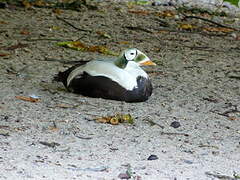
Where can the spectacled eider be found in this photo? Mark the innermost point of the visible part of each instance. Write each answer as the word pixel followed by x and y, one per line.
pixel 119 79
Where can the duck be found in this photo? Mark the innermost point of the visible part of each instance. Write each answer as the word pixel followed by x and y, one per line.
pixel 121 79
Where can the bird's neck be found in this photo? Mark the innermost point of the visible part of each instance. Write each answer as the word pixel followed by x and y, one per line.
pixel 121 62
pixel 135 70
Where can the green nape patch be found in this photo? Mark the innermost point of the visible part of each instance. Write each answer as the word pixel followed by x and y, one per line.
pixel 234 2
pixel 140 58
pixel 80 46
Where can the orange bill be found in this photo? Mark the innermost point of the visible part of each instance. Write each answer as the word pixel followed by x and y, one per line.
pixel 148 63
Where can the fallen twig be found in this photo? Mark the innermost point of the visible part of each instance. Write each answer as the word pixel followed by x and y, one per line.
pixel 64 61
pixel 152 123
pixel 68 23
pixel 136 28
pixel 82 137
pixel 29 99
pixel 16 46
pixel 192 32
pixel 49 144
pixel 181 134
pixel 226 113
pixel 210 99
pixel 162 23
pixel 46 39
pixel 95 169
pixel 208 146
pixel 208 20
pixel 219 176
pixel 206 48
pixel 204 19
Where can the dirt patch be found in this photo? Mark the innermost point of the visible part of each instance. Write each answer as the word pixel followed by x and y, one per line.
pixel 196 86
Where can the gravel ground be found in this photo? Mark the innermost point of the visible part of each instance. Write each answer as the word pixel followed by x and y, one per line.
pixel 188 129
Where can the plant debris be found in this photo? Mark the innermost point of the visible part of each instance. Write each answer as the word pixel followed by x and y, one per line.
pixel 80 46
pixel 219 176
pixel 4 133
pixel 49 144
pixel 13 47
pixel 30 99
pixel 152 123
pixel 116 119
pixel 68 23
pixel 187 27
pixel 4 54
pixel 93 169
pixel 218 29
pixel 103 34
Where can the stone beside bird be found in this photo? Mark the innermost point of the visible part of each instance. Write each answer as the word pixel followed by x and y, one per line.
pixel 119 79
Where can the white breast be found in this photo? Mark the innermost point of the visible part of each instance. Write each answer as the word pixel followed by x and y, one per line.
pixel 127 77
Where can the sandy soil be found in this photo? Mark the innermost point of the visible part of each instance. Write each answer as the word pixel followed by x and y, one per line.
pixel 196 84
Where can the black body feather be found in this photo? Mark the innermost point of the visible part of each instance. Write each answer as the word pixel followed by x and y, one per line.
pixel 103 87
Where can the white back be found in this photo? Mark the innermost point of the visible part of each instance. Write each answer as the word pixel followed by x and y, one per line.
pixel 127 77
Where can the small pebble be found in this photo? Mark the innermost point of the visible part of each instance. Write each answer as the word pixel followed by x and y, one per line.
pixel 175 124
pixel 187 161
pixel 152 157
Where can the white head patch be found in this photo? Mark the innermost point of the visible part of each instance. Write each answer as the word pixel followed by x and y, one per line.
pixel 130 54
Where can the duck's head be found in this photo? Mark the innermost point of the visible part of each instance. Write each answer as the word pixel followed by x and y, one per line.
pixel 133 55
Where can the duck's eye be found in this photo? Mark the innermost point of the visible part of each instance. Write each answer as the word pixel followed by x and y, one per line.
pixel 131 54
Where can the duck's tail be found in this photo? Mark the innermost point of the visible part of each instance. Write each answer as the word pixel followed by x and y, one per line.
pixel 61 77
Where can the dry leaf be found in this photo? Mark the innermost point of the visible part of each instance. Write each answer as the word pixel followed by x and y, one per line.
pixel 26 4
pixel 124 42
pixel 30 99
pixel 103 34
pixel 104 119
pixel 116 119
pixel 3 22
pixel 188 27
pixel 3 54
pixel 161 32
pixel 218 29
pixel 52 128
pixel 77 45
pixel 166 13
pixel 40 3
pixel 232 118
pixel 19 45
pixel 57 11
pixel 23 32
